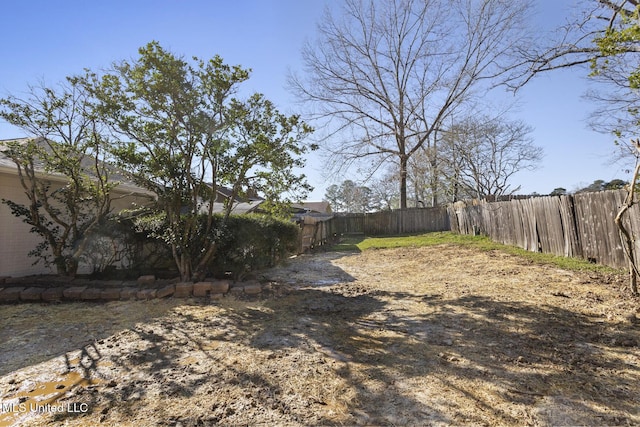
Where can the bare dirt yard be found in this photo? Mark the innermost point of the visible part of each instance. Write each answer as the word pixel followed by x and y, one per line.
pixel 439 335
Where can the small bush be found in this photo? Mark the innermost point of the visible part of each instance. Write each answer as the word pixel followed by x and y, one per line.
pixel 122 250
pixel 248 243
pixel 245 244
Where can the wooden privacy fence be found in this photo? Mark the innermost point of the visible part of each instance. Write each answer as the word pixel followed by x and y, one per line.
pixel 580 225
pixel 348 223
pixel 387 223
pixel 317 232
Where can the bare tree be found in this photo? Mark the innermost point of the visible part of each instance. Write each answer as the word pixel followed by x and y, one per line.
pixel 485 152
pixel 388 73
pixel 385 191
pixel 419 174
pixel 601 38
pixel 424 176
pixel 605 37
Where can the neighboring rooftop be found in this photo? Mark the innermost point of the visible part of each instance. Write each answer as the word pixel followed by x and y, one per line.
pixel 322 207
pixel 115 175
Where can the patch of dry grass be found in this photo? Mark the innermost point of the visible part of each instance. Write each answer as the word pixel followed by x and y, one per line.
pixel 433 335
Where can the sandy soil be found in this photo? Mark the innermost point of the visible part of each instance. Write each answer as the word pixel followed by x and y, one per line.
pixel 428 336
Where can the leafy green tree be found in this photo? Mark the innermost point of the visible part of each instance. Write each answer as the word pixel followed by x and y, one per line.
pixel 68 204
pixel 263 148
pixel 183 133
pixel 559 191
pixel 616 63
pixel 615 184
pixel 597 185
pixel 332 195
pixel 602 185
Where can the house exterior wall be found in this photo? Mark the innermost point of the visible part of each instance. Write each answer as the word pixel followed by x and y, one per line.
pixel 16 241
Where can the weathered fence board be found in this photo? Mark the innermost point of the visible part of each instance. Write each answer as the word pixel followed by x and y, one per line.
pixel 595 213
pixel 572 247
pixel 549 223
pixel 530 225
pixel 316 232
pixel 393 222
pixel 348 223
pixel 580 225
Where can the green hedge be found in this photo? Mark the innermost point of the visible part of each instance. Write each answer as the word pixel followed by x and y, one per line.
pixel 247 243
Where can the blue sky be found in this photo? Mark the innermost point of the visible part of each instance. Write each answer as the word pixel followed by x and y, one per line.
pixel 48 40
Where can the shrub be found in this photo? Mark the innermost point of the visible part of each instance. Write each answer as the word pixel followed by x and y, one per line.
pixel 245 243
pixel 122 249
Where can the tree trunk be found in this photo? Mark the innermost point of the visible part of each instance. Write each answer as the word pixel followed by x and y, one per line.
pixel 183 262
pixel 433 160
pixel 200 271
pixel 61 266
pixel 434 192
pixel 629 249
pixel 65 266
pixel 403 182
pixel 456 189
pixel 625 237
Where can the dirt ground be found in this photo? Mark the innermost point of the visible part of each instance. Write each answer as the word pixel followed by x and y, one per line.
pixel 413 336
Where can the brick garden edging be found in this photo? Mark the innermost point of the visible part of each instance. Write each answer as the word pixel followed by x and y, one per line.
pixel 56 289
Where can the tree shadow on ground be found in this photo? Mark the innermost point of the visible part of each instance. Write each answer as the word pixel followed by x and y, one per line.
pixel 556 365
pixel 333 324
pixel 34 333
pixel 559 364
pixel 571 368
pixel 565 367
pixel 70 338
pixel 344 354
pixel 310 270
